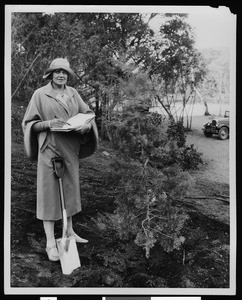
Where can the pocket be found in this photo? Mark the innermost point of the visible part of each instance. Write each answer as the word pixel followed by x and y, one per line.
pixel 52 151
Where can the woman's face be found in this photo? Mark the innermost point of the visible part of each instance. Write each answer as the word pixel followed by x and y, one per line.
pixel 60 77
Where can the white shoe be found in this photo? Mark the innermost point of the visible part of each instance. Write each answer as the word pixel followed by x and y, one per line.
pixel 78 238
pixel 52 253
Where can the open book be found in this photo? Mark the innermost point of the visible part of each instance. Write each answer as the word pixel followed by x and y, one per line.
pixel 76 122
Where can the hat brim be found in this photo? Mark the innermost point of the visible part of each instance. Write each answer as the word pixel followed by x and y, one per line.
pixel 50 70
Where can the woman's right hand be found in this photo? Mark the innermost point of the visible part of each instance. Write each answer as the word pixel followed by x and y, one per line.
pixel 57 123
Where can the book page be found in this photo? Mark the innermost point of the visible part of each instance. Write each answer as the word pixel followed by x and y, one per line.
pixel 76 122
pixel 80 119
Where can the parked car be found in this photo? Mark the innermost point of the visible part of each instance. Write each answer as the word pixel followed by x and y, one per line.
pixel 219 126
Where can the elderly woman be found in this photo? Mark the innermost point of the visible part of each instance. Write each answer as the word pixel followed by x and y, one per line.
pixel 51 106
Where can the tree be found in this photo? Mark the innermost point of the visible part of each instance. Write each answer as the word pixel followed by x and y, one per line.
pixel 113 38
pixel 40 38
pixel 176 67
pixel 94 43
pixel 215 86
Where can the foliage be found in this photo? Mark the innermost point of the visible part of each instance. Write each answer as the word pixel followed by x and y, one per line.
pixel 176 131
pixel 136 136
pixel 92 42
pixel 190 158
pixel 151 138
pixel 37 39
pixel 215 87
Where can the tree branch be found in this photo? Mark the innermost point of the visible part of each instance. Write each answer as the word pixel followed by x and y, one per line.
pixel 25 75
pixel 169 114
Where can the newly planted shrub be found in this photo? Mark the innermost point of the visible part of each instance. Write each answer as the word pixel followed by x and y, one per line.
pixel 149 170
pixel 145 209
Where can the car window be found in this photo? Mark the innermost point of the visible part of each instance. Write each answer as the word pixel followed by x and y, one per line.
pixel 226 114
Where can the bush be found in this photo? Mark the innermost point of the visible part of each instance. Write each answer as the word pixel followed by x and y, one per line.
pixel 136 134
pixel 190 158
pixel 150 136
pixel 176 131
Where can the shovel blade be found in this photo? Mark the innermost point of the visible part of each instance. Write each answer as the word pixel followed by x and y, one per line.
pixel 68 253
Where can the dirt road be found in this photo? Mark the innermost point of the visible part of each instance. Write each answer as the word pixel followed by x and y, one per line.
pixel 215 152
pixel 211 194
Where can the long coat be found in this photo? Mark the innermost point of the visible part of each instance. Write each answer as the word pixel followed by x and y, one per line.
pixel 43 146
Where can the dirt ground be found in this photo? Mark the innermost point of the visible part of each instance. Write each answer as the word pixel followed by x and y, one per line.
pixel 203 261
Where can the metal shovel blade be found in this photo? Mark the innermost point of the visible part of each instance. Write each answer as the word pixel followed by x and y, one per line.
pixel 68 253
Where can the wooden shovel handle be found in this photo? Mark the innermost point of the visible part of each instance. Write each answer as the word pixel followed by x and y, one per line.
pixel 58 164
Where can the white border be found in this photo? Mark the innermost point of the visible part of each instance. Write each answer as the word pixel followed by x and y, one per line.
pixel 232 161
pixel 7 149
pixel 111 291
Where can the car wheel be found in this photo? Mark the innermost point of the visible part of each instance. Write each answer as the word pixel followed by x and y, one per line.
pixel 207 134
pixel 223 133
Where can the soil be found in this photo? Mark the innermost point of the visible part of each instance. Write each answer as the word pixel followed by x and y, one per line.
pixel 203 261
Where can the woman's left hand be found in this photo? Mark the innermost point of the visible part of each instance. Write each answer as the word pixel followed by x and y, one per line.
pixel 83 129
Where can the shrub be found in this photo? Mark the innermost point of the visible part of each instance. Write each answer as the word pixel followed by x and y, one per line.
pixel 150 136
pixel 176 131
pixel 136 134
pixel 190 158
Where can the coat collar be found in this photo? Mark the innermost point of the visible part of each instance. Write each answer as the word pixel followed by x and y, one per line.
pixel 50 91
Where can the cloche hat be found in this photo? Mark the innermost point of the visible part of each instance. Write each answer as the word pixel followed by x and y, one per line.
pixel 59 63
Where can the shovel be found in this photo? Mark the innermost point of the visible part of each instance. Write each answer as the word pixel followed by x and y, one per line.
pixel 67 248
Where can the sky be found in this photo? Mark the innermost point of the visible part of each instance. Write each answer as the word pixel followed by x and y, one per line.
pixel 213 27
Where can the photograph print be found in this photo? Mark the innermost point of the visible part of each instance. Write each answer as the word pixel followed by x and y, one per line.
pixel 120 163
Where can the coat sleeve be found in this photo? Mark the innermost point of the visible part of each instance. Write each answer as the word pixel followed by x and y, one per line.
pixel 32 116
pixel 89 141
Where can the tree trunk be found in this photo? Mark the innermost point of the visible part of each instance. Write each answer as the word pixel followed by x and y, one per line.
pixel 204 102
pixel 167 111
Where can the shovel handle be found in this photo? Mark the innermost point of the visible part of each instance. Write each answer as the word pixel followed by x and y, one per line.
pixel 59 170
pixel 64 215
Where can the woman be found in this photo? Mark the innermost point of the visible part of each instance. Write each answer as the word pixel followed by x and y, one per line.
pixel 51 106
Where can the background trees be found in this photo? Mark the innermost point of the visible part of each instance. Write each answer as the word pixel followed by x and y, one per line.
pixel 104 49
pixel 215 87
pixel 177 67
pixel 93 43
